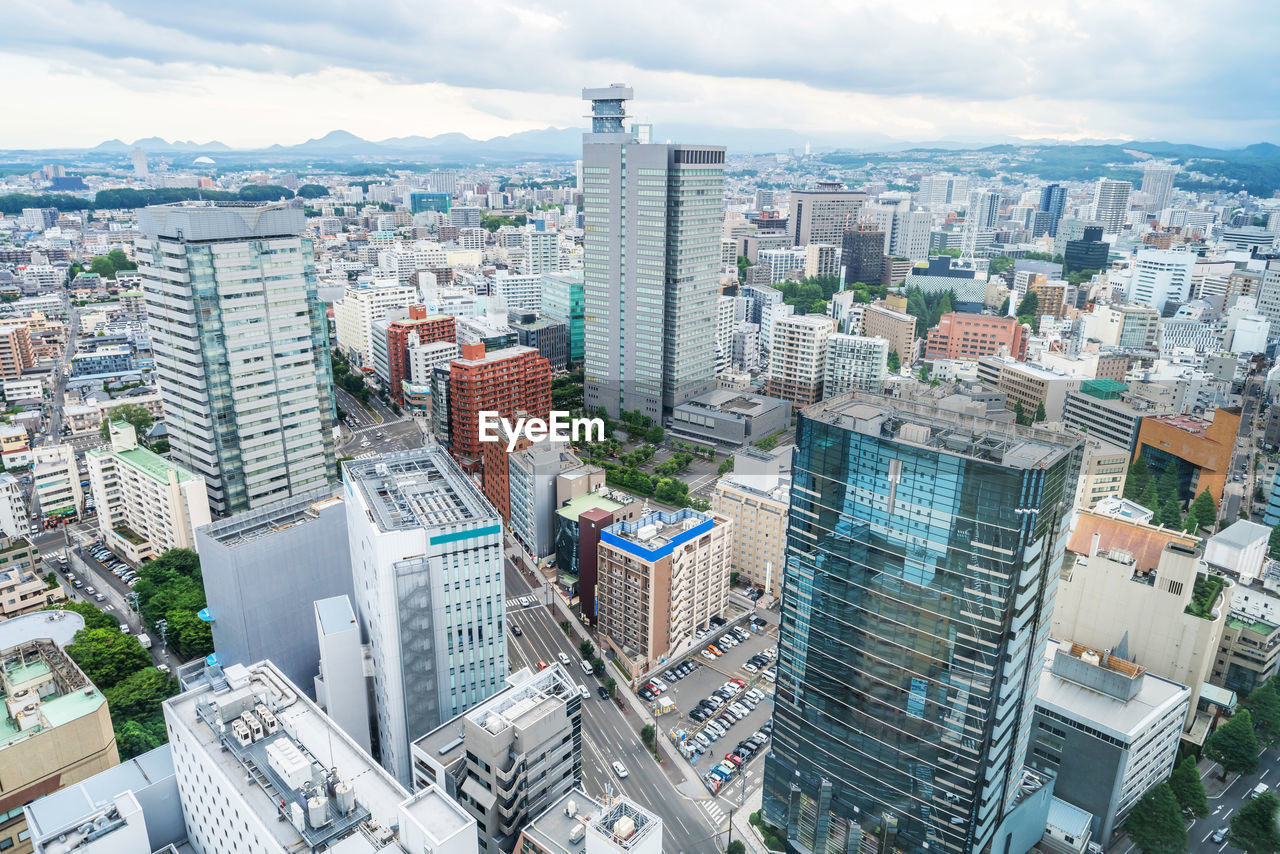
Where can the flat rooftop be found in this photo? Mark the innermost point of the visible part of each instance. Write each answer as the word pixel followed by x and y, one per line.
pixel 153 466
pixel 271 518
pixel 314 748
pixel 522 702
pixel 1187 423
pixel 956 433
pixel 646 823
pixel 70 807
pixel 1103 711
pixel 575 507
pixel 422 488
pixel 553 826
pixel 655 535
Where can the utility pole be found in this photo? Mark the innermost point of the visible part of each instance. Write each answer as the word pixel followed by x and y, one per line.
pixel 162 626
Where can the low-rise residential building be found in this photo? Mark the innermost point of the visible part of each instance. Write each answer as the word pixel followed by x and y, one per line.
pixel 509 757
pixel 15 445
pixel 660 578
pixel 56 480
pixel 13 506
pixel 1106 729
pixel 57 729
pixel 146 505
pixel 22 585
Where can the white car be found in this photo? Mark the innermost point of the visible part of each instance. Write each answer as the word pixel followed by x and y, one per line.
pixel 525 601
pixel 564 659
pixel 620 770
pixel 659 684
pixel 582 689
pixel 586 666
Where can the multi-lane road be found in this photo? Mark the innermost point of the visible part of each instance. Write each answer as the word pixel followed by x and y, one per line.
pixel 609 734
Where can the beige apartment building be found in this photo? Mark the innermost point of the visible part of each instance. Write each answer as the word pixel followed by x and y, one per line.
pixel 22 587
pixel 798 360
pixel 146 505
pixel 1105 602
pixel 757 505
pixel 880 320
pixel 56 727
pixel 660 578
pixel 1103 473
pixel 15 350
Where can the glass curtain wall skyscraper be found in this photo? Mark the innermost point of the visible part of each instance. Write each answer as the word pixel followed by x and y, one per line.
pixel 923 552
pixel 652 216
pixel 241 348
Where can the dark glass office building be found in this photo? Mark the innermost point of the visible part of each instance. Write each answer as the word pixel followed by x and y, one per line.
pixel 922 559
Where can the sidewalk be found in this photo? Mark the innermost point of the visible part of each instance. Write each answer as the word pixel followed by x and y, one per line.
pixel 742 828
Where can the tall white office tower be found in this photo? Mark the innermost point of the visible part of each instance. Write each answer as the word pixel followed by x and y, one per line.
pixel 426 559
pixel 139 160
pixel 241 348
pixel 1157 184
pixel 653 214
pixel 1111 204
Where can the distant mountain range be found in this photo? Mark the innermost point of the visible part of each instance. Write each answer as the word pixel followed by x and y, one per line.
pixel 563 143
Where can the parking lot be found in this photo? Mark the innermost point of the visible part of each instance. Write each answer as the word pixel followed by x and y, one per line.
pixel 709 676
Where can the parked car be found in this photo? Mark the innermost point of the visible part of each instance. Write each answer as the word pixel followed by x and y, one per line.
pixel 604 695
pixel 706 653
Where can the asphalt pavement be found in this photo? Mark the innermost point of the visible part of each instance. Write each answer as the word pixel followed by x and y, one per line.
pixel 610 734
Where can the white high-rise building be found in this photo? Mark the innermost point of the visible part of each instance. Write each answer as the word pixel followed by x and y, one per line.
pixel 139 159
pixel 541 252
pixel 137 491
pixel 520 290
pixel 56 481
pixel 359 308
pixel 241 348
pixel 651 256
pixel 262 770
pixel 1157 184
pixel 911 234
pixel 426 557
pixel 725 316
pixel 1111 204
pixel 855 363
pixel 1160 275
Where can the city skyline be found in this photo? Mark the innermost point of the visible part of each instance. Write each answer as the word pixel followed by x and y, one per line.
pixel 187 71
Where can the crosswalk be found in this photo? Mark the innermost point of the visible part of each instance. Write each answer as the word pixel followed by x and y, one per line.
pixel 514 603
pixel 713 810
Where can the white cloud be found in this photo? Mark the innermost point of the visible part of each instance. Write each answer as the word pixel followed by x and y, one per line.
pixel 251 73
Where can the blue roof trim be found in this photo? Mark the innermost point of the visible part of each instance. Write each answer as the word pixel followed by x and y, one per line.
pixel 641 552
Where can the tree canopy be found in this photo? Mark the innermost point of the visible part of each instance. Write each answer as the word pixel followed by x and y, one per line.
pixel 107 656
pixel 136 414
pixel 1253 828
pixel 1234 745
pixel 1188 788
pixel 171 588
pixel 312 191
pixel 1264 706
pixel 1155 823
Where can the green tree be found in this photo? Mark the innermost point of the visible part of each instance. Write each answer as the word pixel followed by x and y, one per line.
pixel 120 261
pixel 1169 514
pixel 1188 788
pixel 1149 499
pixel 1273 543
pixel 895 362
pixel 586 648
pixel 1264 705
pixel 1167 485
pixel 1202 513
pixel 1004 308
pixel 1136 481
pixel 103 267
pixel 140 693
pixel 313 191
pixel 190 636
pixel 1019 414
pixel 136 414
pixel 1155 825
pixel 1040 415
pixel 1233 745
pixel 1029 307
pixel 610 685
pixel 134 738
pixel 743 266
pixel 1253 828
pixel 107 656
pixel 736 847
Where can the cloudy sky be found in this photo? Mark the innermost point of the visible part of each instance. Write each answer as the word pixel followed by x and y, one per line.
pixel 255 72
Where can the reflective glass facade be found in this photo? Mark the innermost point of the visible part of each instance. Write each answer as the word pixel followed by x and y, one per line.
pixel 922 558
